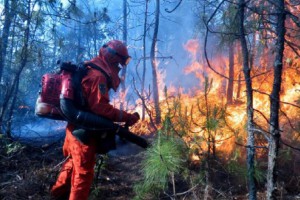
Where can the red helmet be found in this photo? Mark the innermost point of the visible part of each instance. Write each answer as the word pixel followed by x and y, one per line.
pixel 115 52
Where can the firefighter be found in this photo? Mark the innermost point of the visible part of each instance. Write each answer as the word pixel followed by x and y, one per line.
pixel 77 172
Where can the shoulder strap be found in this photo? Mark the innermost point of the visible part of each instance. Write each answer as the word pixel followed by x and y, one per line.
pixel 96 67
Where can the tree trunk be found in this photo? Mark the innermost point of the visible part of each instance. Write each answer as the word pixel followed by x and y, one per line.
pixel 54 58
pixel 12 106
pixel 231 74
pixel 95 35
pixel 8 16
pixel 209 142
pixel 23 62
pixel 79 41
pixel 250 124
pixel 154 65
pixel 274 102
pixel 123 73
pixel 239 86
pixel 144 59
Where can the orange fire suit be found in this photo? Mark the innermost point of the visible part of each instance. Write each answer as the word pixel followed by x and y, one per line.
pixel 77 172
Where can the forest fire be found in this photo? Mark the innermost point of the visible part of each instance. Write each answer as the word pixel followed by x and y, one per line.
pixel 216 85
pixel 204 118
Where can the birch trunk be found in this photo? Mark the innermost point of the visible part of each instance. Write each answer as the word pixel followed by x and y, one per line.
pixel 144 55
pixel 274 102
pixel 250 124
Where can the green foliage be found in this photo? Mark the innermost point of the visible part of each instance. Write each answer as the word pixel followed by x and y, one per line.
pixel 216 118
pixel 168 155
pixel 9 147
pixel 13 148
pixel 238 168
pixel 285 155
pixel 259 174
pixel 95 193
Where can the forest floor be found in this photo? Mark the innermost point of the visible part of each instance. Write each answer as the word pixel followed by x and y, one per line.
pixel 28 172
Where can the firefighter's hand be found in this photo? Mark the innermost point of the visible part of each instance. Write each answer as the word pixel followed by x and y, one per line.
pixel 132 119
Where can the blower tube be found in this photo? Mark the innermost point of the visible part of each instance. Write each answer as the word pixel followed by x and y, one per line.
pixel 91 121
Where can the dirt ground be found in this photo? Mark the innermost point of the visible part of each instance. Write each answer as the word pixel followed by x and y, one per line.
pixel 28 172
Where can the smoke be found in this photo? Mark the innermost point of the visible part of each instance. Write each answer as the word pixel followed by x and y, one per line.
pixel 39 131
pixel 175 30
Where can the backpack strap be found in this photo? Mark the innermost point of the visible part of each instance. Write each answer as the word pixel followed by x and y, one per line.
pixel 79 72
pixel 96 67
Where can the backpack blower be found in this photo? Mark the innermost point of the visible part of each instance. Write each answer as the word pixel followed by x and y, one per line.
pixel 56 100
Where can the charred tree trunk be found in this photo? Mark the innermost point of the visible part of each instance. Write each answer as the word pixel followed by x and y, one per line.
pixel 239 86
pixel 250 123
pixel 154 65
pixel 144 55
pixel 123 73
pixel 274 102
pixel 231 74
pixel 253 48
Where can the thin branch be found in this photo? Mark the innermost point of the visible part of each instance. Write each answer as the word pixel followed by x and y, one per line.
pixel 291 45
pixel 62 162
pixel 289 121
pixel 170 11
pixel 144 104
pixel 294 18
pixel 158 57
pixel 264 133
pixel 262 114
pixel 291 104
pixel 183 193
pixel 288 145
pixel 206 56
pixel 248 146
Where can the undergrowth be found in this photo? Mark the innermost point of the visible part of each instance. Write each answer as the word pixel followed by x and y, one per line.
pixel 165 159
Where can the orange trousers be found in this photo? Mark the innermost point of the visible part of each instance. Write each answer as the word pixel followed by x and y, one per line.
pixel 76 174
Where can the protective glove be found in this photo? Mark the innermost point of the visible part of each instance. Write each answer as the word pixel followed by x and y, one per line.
pixel 132 119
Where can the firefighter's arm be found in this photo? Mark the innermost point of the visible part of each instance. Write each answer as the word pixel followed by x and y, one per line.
pixel 96 92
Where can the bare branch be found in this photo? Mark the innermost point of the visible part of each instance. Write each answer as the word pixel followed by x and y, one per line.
pixel 247 146
pixel 288 145
pixel 289 121
pixel 291 45
pixel 170 11
pixel 291 104
pixel 294 18
pixel 264 133
pixel 262 114
pixel 144 104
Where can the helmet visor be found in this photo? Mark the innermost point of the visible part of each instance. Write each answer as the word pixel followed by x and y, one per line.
pixel 124 59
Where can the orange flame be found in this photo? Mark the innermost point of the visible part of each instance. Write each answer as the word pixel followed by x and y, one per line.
pixel 205 120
